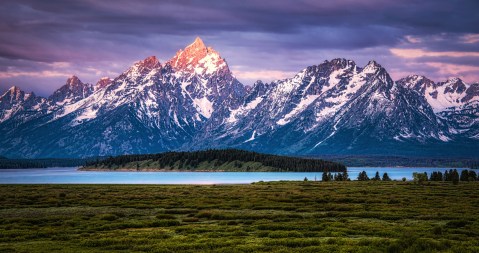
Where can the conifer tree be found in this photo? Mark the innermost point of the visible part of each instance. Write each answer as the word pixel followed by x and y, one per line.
pixel 455 177
pixel 386 177
pixel 325 177
pixel 363 176
pixel 472 176
pixel 440 176
pixel 464 175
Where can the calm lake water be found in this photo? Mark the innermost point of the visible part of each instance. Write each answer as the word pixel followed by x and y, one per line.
pixel 71 175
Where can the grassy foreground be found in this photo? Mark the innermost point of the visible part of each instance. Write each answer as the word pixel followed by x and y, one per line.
pixel 274 217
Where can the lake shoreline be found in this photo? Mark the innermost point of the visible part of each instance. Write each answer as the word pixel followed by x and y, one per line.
pixel 147 170
pixel 71 175
pixel 176 170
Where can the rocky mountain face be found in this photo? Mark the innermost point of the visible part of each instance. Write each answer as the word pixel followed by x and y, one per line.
pixel 454 102
pixel 193 101
pixel 335 107
pixel 73 91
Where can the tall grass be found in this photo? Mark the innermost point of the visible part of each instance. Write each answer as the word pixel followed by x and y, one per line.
pixel 274 217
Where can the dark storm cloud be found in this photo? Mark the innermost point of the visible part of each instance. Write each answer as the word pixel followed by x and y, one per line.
pixel 105 37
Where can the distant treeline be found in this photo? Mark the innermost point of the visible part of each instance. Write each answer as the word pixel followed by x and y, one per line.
pixel 385 161
pixel 6 163
pixel 192 159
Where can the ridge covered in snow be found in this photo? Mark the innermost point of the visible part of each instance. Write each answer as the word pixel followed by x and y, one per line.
pixel 193 101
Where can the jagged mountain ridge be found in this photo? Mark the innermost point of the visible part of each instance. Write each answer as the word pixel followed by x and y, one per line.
pixel 193 101
pixel 324 105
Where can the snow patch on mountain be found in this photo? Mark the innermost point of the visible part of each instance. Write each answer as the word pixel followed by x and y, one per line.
pixel 446 96
pixel 194 101
pixel 252 137
pixel 303 104
pixel 234 114
pixel 204 106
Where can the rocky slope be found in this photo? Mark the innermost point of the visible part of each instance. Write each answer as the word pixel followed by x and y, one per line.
pixel 193 101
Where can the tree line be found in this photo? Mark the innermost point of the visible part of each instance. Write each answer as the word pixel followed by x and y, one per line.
pixel 363 176
pixel 221 156
pixel 454 176
pixel 344 176
pixel 387 161
pixel 6 163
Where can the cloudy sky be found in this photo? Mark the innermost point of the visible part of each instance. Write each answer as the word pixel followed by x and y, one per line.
pixel 44 42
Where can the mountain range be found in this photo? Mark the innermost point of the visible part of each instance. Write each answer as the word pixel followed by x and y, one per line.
pixel 193 101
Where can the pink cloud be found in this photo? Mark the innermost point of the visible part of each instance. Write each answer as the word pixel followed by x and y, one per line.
pixel 456 70
pixel 418 53
pixel 470 38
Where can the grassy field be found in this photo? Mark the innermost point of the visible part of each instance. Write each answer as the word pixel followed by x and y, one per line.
pixel 274 217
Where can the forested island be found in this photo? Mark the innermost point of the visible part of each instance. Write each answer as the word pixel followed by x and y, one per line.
pixel 214 160
pixel 347 160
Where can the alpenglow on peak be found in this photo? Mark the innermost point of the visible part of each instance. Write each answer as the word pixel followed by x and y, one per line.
pixel 193 101
pixel 198 58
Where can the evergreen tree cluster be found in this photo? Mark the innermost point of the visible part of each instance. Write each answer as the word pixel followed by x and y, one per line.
pixel 363 176
pixel 454 176
pixel 192 159
pixel 328 176
pixel 436 176
pixel 468 175
pixel 6 163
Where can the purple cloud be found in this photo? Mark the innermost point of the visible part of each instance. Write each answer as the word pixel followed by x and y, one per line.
pixel 44 42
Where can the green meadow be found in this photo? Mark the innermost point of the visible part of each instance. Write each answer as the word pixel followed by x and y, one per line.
pixel 309 216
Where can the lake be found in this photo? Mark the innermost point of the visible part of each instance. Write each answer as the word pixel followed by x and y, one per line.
pixel 70 175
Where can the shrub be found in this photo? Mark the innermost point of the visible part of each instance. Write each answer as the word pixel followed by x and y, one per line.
pixel 419 178
pixel 108 217
pixel 165 216
pixel 165 223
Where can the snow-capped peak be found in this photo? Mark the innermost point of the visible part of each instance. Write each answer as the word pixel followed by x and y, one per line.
pixel 141 68
pixel 11 90
pixel 73 81
pixel 103 82
pixel 73 90
pixel 198 43
pixel 372 67
pixel 342 63
pixel 14 89
pixel 150 62
pixel 197 58
pixel 13 94
pixel 416 82
pixel 454 85
pixel 441 96
pixel 194 101
pixel 145 66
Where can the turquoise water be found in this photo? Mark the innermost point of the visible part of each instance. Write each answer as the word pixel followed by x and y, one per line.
pixel 71 175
